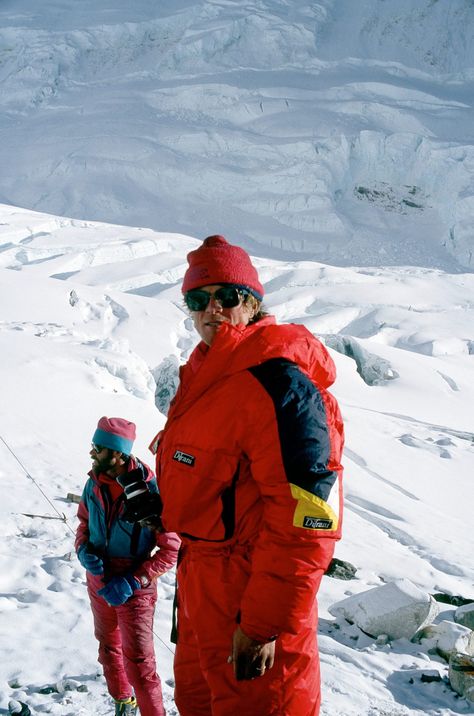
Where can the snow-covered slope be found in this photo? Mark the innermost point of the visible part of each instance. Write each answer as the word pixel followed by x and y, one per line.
pixel 334 140
pixel 322 130
pixel 92 318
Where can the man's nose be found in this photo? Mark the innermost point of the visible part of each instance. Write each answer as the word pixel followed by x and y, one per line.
pixel 214 305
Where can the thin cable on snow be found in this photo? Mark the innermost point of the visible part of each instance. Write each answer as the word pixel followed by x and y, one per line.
pixel 28 474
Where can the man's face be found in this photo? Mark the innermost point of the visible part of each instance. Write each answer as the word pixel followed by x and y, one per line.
pixel 101 458
pixel 207 322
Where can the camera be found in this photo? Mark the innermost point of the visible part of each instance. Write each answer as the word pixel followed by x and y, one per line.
pixel 142 504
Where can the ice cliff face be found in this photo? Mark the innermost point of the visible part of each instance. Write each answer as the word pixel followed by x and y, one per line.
pixel 433 36
pixel 336 131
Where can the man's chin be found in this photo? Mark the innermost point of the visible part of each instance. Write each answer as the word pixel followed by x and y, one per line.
pixel 208 334
pixel 98 467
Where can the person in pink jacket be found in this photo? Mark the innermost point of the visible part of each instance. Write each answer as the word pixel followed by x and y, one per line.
pixel 122 567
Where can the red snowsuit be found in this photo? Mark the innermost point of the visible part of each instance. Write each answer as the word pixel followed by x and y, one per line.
pixel 124 633
pixel 248 467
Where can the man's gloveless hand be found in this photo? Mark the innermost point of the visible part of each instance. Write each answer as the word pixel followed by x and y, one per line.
pixel 250 658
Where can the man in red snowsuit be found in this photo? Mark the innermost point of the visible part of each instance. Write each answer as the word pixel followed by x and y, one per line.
pixel 121 570
pixel 249 471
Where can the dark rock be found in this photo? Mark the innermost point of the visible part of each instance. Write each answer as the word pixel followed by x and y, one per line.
pixel 461 675
pixel 429 676
pixel 18 708
pixel 453 599
pixel 339 569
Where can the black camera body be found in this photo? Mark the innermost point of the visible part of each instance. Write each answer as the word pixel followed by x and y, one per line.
pixel 141 503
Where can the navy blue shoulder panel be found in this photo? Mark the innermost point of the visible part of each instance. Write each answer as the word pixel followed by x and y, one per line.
pixel 302 425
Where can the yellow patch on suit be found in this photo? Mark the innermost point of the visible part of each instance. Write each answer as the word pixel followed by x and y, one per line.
pixel 312 512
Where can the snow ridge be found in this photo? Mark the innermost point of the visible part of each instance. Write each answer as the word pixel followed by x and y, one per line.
pixel 269 117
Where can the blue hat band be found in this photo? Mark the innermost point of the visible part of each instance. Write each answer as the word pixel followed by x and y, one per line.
pixel 112 441
pixel 254 293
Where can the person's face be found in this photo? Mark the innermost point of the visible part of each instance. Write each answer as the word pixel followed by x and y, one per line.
pixel 101 458
pixel 207 321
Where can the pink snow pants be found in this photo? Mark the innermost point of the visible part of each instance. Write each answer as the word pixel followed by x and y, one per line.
pixel 126 649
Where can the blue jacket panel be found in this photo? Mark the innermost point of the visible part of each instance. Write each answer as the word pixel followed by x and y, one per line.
pixel 102 524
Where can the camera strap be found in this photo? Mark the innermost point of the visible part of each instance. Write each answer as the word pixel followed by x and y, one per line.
pixel 135 537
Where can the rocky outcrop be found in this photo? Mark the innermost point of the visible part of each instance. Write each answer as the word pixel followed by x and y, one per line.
pixel 397 609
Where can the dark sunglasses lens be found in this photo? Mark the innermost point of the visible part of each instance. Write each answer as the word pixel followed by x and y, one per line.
pixel 97 448
pixel 197 300
pixel 228 296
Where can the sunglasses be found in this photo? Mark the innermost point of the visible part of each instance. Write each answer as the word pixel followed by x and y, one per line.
pixel 228 297
pixel 97 448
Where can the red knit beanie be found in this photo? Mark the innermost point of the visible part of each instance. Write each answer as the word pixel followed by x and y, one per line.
pixel 217 261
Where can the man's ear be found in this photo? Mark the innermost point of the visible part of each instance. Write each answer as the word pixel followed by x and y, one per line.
pixel 116 458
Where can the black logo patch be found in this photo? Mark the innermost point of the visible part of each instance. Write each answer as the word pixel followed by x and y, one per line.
pixel 183 457
pixel 317 523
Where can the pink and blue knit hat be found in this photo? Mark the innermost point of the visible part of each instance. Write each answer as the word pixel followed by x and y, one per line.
pixel 115 434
